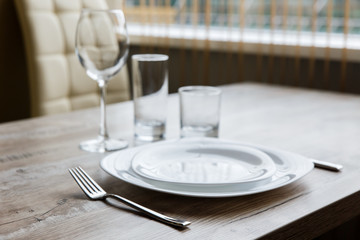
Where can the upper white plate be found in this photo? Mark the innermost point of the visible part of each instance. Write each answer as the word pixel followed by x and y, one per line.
pixel 203 163
pixel 289 168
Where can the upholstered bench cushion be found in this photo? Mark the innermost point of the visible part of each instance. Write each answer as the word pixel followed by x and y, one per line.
pixel 58 83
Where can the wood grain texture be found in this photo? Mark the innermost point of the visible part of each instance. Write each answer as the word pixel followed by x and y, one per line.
pixel 40 200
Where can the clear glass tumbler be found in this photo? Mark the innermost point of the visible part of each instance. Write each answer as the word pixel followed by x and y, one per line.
pixel 150 91
pixel 199 111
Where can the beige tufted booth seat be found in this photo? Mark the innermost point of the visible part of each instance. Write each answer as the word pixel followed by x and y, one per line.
pixel 58 83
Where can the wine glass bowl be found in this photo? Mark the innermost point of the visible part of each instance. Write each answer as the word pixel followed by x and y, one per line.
pixel 102 46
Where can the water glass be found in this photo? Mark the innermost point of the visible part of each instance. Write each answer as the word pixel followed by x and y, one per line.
pixel 150 91
pixel 199 111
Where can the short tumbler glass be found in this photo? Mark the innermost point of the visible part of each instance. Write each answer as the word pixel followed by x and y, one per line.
pixel 150 91
pixel 199 111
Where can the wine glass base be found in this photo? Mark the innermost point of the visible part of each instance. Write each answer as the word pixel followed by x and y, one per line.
pixel 100 146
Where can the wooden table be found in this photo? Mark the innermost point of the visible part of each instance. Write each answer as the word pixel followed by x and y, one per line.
pixel 40 200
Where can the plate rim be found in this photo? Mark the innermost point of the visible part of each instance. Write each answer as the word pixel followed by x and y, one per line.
pixel 308 166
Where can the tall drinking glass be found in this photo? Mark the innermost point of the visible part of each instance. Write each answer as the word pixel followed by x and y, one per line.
pixel 150 91
pixel 102 46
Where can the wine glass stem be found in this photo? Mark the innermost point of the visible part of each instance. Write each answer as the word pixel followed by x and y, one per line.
pixel 103 133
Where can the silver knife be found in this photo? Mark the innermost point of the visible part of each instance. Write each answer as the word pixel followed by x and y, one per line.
pixel 326 165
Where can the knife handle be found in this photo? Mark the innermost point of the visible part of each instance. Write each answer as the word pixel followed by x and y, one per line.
pixel 326 165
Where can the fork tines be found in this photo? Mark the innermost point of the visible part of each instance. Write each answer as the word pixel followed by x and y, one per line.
pixel 86 183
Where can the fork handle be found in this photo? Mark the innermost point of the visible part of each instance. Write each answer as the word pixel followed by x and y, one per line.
pixel 151 213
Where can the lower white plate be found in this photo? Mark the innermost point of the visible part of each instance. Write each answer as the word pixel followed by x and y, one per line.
pixel 289 168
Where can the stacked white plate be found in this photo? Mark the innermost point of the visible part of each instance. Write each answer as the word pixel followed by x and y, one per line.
pixel 206 167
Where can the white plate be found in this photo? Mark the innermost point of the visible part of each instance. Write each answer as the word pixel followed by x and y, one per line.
pixel 202 163
pixel 290 167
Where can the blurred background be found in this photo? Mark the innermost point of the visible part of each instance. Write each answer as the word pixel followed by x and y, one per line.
pixel 303 43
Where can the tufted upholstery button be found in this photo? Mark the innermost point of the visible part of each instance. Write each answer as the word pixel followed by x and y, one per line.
pixel 57 80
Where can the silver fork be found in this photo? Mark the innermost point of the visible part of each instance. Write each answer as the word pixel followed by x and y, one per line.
pixel 95 192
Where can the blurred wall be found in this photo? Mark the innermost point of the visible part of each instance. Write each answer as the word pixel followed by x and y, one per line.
pixel 189 67
pixel 14 94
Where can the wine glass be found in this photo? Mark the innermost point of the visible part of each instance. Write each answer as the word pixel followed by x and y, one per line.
pixel 102 46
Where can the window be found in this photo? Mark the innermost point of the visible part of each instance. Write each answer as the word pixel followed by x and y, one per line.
pixel 322 24
pixel 324 15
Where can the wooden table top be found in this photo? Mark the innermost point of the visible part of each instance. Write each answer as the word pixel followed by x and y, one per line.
pixel 40 200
